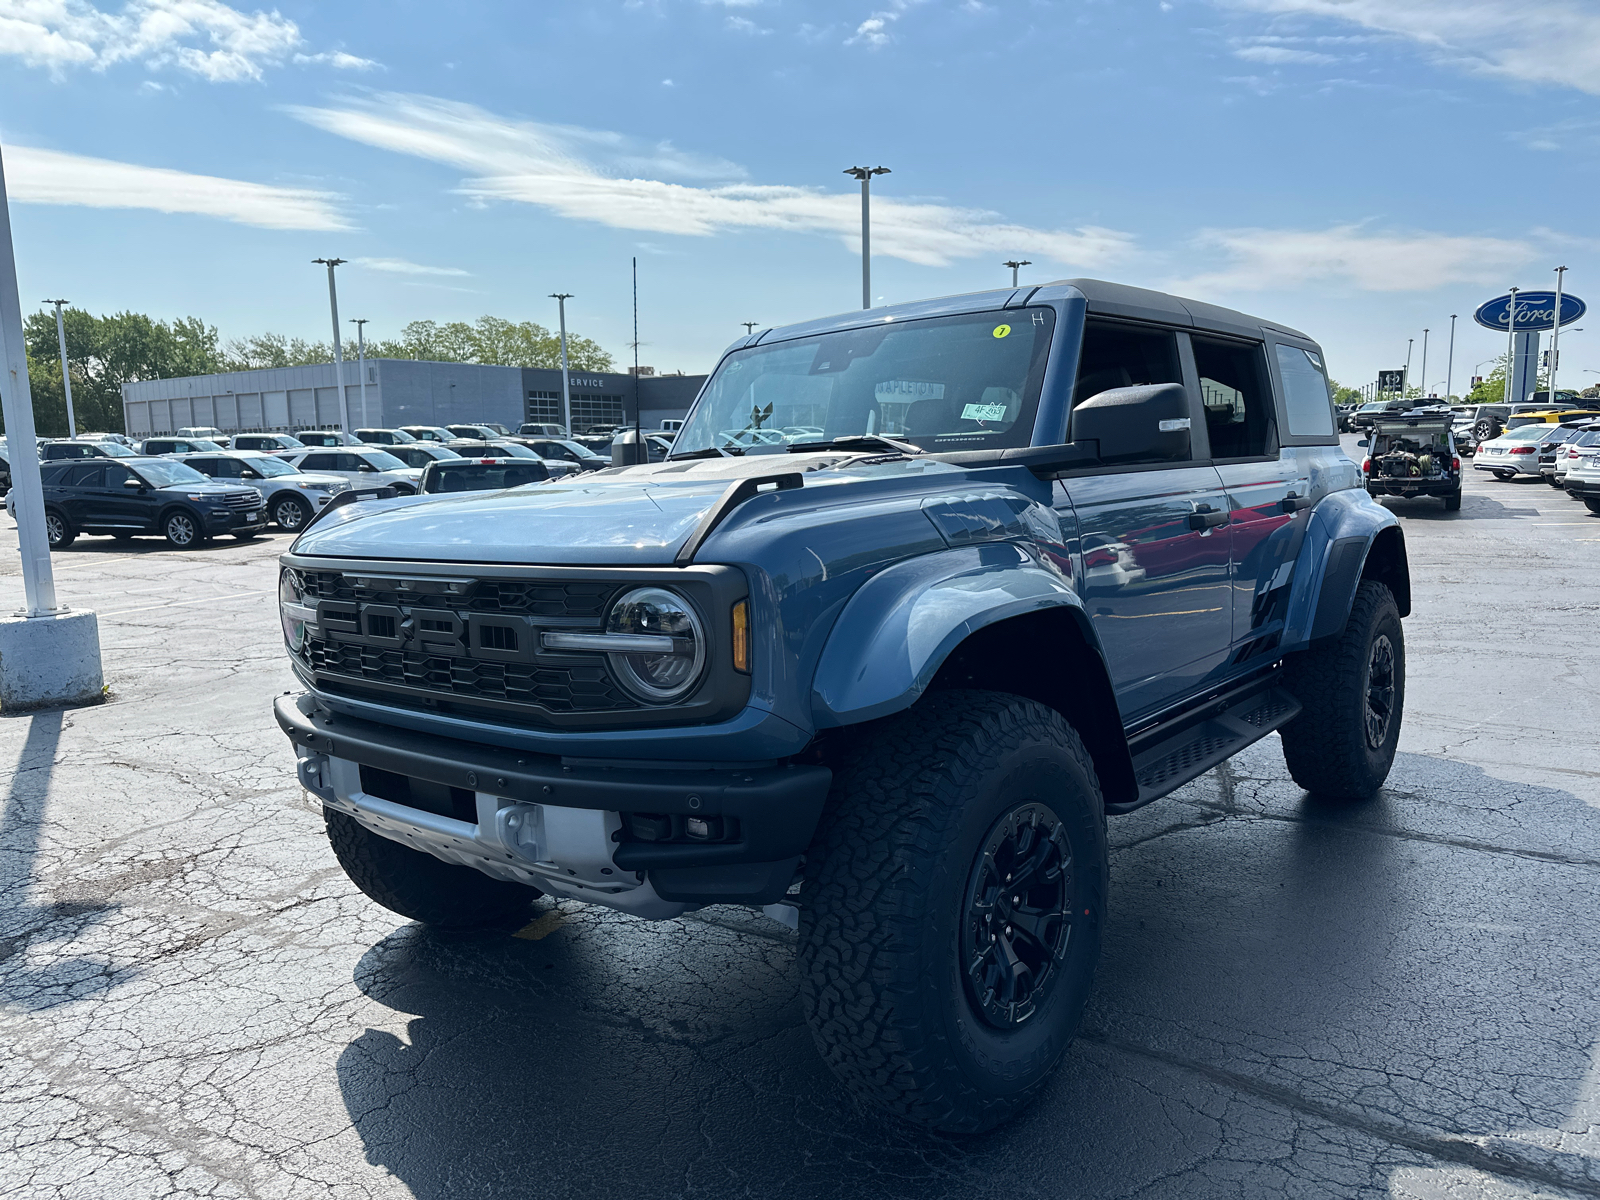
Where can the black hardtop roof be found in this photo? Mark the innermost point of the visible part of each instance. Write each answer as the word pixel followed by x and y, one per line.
pixel 1121 299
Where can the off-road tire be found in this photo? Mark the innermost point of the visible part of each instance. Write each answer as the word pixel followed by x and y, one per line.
pixel 1592 503
pixel 885 906
pixel 58 531
pixel 290 513
pixel 1328 747
pixel 1486 430
pixel 419 886
pixel 1452 501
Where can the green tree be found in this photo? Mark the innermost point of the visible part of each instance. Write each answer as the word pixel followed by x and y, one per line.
pixel 1344 395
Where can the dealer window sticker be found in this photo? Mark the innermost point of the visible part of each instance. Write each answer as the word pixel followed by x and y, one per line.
pixel 984 412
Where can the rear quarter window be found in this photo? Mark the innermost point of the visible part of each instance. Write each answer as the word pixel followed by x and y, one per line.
pixel 1305 392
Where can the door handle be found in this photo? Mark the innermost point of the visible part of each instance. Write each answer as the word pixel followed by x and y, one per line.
pixel 1293 503
pixel 1206 517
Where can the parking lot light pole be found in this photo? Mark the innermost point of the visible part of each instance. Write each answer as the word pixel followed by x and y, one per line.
pixel 1014 265
pixel 1425 360
pixel 48 656
pixel 561 299
pixel 361 364
pixel 338 351
pixel 865 174
pixel 1450 362
pixel 66 376
pixel 1405 380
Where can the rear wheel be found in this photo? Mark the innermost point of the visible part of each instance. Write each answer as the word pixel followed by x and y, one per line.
pixel 1592 503
pixel 290 513
pixel 1502 476
pixel 181 530
pixel 419 886
pixel 951 909
pixel 1452 502
pixel 1352 693
pixel 58 531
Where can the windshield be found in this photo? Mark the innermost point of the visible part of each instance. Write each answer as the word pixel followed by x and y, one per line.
pixel 383 460
pixel 579 450
pixel 115 450
pixel 270 468
pixel 944 383
pixel 165 474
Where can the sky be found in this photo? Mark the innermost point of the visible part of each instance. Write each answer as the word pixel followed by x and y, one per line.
pixel 1357 169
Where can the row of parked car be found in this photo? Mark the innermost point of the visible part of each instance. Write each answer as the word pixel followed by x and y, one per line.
pixel 189 488
pixel 1566 456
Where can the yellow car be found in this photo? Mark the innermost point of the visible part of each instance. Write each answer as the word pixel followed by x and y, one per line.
pixel 1556 416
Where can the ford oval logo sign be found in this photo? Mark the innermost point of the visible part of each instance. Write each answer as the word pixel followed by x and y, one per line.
pixel 1535 311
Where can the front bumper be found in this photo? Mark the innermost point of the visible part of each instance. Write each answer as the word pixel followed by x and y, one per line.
pixel 567 826
pixel 236 520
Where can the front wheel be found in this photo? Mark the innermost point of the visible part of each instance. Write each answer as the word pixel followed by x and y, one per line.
pixel 290 513
pixel 951 908
pixel 181 530
pixel 420 886
pixel 1352 694
pixel 58 531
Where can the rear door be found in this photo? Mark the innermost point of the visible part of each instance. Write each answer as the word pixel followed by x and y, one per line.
pixel 1153 542
pixel 1242 428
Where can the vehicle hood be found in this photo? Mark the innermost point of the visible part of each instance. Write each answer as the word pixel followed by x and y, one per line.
pixel 209 488
pixel 319 478
pixel 624 515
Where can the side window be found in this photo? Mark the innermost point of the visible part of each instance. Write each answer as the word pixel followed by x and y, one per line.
pixel 1237 397
pixel 116 476
pixel 225 468
pixel 206 466
pixel 85 476
pixel 353 462
pixel 1305 392
pixel 1117 355
pixel 50 476
pixel 320 462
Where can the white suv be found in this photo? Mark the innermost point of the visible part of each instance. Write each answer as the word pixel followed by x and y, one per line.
pixel 366 467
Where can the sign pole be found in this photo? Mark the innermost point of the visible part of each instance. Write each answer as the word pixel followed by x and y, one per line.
pixel 1511 348
pixel 1555 337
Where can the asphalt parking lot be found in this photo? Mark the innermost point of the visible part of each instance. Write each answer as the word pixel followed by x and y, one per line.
pixel 1399 999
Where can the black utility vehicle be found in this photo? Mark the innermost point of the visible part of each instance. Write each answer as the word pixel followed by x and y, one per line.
pixel 178 445
pixel 145 495
pixel 68 448
pixel 271 443
pixel 1413 456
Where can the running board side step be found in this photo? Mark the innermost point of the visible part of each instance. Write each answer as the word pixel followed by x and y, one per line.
pixel 1169 756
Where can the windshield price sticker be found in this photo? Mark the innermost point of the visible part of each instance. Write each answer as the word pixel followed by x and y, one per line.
pixel 984 412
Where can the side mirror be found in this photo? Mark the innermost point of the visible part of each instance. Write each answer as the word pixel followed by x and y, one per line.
pixel 1362 442
pixel 133 483
pixel 1149 423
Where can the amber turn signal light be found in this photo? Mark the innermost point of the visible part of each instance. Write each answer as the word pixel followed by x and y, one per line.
pixel 741 637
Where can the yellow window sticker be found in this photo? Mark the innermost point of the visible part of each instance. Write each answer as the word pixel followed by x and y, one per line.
pixel 1002 330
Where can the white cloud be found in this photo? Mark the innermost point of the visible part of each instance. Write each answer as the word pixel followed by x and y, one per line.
pixel 1281 54
pixel 745 25
pixel 400 266
pixel 871 32
pixel 1290 259
pixel 1536 41
pixel 203 37
pixel 51 177
pixel 336 58
pixel 554 167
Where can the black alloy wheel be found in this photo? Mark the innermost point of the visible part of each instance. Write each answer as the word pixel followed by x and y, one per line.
pixel 1019 920
pixel 181 530
pixel 290 513
pixel 1380 691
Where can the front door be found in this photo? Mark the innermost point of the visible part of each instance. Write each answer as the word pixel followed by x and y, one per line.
pixel 1153 540
pixel 124 501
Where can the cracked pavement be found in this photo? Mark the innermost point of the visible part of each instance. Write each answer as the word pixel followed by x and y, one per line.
pixel 1396 999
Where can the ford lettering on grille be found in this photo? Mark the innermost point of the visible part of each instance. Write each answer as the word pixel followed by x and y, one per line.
pixel 492 637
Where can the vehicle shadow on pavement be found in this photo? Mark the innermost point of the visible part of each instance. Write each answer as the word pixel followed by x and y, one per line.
pixel 89 544
pixel 24 983
pixel 1292 995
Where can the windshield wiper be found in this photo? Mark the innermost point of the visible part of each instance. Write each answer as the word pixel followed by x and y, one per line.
pixel 854 439
pixel 707 452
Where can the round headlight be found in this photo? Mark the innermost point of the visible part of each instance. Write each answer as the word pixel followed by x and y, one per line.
pixel 289 610
pixel 665 674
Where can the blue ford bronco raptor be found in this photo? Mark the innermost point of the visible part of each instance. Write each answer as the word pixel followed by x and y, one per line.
pixel 921 595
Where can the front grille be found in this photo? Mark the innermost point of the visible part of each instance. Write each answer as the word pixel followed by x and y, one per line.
pixel 533 598
pixel 554 689
pixel 242 500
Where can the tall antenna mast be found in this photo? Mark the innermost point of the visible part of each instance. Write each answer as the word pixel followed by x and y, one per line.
pixel 638 417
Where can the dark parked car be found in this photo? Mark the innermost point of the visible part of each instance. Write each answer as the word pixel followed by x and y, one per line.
pixel 1363 417
pixel 563 450
pixel 384 437
pixel 481 474
pixel 69 448
pixel 5 470
pixel 477 433
pixel 511 448
pixel 270 442
pixel 145 495
pixel 326 438
pixel 177 445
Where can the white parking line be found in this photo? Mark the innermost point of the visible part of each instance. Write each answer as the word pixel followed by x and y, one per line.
pixel 180 603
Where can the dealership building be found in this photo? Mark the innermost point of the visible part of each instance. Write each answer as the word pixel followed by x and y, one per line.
pixel 401 391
